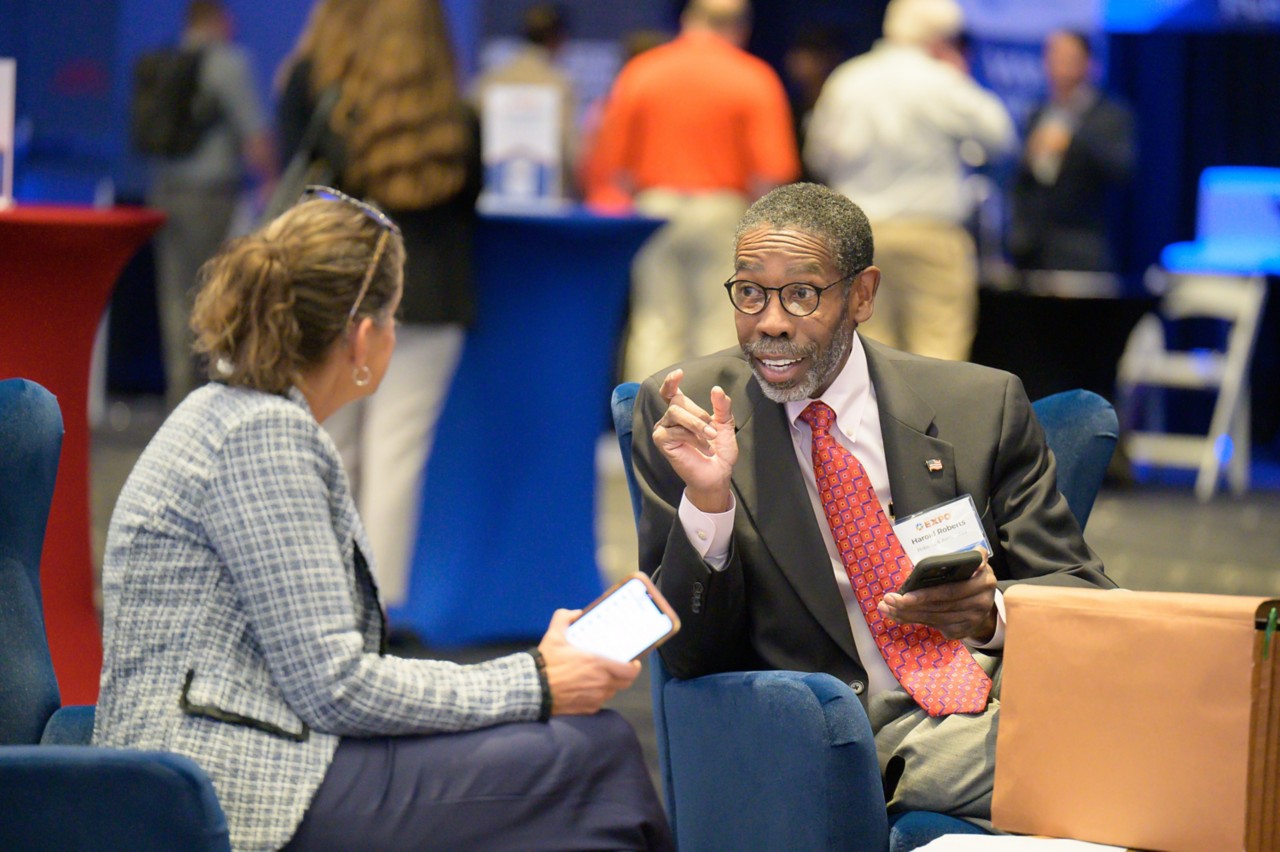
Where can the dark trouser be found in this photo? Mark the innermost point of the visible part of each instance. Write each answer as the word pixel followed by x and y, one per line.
pixel 577 782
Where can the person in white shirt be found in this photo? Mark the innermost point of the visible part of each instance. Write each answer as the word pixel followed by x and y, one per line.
pixel 896 129
pixel 736 531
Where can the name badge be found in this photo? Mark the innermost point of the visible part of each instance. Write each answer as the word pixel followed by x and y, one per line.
pixel 945 528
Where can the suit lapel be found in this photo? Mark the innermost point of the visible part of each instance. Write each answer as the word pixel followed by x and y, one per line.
pixel 906 421
pixel 772 493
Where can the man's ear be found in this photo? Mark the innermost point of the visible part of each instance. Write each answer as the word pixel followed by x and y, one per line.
pixel 864 288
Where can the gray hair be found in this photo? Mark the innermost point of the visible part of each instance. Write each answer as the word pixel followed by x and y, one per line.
pixel 815 210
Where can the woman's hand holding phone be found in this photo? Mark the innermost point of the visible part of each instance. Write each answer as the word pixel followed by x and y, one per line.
pixel 580 681
pixel 592 654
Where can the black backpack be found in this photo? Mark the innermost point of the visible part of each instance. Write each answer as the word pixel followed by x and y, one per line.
pixel 168 115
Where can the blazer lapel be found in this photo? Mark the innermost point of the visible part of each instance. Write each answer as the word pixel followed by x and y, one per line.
pixel 912 454
pixel 770 489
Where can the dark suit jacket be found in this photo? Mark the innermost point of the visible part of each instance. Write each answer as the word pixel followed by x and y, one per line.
pixel 776 605
pixel 1065 226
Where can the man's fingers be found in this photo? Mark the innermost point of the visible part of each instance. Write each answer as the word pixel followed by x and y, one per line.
pixel 941 615
pixel 949 594
pixel 683 414
pixel 721 406
pixel 562 618
pixel 671 385
pixel 951 597
pixel 683 403
pixel 676 399
pixel 938 603
pixel 683 418
pixel 946 595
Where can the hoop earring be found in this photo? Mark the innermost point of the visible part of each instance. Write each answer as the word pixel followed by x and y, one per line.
pixel 361 375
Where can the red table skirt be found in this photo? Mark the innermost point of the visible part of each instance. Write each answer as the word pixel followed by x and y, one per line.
pixel 58 266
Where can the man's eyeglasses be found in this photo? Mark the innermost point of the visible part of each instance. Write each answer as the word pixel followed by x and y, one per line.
pixel 798 299
pixel 328 193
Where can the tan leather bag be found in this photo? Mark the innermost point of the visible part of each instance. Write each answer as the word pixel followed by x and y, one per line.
pixel 1141 719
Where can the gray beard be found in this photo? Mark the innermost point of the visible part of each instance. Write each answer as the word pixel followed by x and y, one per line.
pixel 824 363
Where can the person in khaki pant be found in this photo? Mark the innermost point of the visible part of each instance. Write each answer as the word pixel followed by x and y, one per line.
pixel 931 305
pixel 895 130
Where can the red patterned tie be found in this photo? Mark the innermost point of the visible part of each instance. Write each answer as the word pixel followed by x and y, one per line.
pixel 939 673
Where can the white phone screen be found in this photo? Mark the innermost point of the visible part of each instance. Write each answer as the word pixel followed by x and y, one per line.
pixel 622 625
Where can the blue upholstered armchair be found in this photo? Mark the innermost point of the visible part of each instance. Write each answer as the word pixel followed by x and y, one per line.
pixel 786 760
pixel 64 794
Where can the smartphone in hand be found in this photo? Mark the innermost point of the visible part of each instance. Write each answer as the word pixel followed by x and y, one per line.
pixel 941 569
pixel 631 618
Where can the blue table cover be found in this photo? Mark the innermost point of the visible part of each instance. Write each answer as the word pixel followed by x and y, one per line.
pixel 507 528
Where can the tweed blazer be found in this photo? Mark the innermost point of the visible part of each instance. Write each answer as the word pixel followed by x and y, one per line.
pixel 241 624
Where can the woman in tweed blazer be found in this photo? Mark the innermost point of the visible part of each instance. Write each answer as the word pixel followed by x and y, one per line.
pixel 242 624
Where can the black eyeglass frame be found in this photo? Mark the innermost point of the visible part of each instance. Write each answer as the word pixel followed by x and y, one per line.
pixel 328 193
pixel 728 288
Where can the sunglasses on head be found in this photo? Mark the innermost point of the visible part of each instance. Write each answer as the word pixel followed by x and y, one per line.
pixel 328 193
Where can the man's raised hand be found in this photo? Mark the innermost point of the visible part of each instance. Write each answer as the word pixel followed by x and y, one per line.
pixel 701 447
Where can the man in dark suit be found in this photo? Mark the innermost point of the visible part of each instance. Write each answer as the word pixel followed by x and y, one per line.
pixel 1079 148
pixel 737 529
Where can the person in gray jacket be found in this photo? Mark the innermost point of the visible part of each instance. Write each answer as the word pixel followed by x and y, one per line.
pixel 198 191
pixel 242 624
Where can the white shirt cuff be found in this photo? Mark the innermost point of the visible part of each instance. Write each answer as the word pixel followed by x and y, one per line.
pixel 996 642
pixel 709 533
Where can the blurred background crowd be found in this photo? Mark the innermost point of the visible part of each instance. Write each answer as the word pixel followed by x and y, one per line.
pixel 1023 165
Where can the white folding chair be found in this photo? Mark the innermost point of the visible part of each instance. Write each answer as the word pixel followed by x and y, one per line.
pixel 1148 362
pixel 1222 275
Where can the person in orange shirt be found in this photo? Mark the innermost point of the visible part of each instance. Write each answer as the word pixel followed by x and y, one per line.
pixel 693 132
pixel 598 192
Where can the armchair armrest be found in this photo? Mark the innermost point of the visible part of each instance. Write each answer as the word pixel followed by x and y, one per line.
pixel 772 760
pixel 79 797
pixel 71 725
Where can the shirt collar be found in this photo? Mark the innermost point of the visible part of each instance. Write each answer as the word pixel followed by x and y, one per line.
pixel 705 37
pixel 848 394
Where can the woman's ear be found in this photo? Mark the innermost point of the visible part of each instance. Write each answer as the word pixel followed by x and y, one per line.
pixel 358 341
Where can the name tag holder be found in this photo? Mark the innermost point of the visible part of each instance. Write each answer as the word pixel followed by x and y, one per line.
pixel 945 528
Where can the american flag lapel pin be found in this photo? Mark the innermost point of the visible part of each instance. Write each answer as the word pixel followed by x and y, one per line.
pixel 933 465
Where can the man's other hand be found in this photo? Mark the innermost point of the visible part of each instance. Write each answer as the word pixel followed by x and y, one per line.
pixel 963 610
